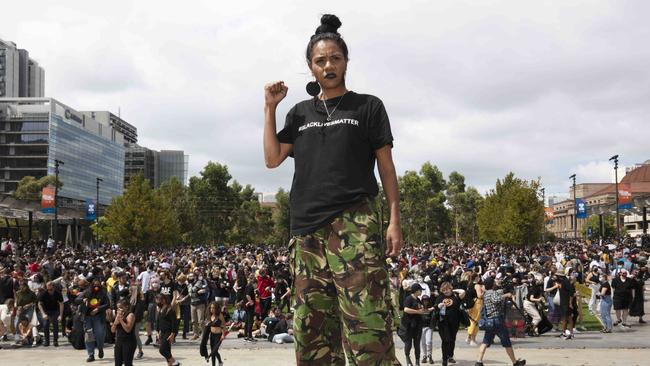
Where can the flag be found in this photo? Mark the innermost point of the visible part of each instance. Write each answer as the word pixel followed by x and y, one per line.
pixel 581 211
pixel 91 209
pixel 549 215
pixel 47 199
pixel 624 196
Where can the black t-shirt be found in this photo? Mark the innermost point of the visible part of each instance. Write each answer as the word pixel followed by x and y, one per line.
pixel 534 291
pixel 334 160
pixel 167 289
pixel 605 285
pixel 51 301
pixel 412 320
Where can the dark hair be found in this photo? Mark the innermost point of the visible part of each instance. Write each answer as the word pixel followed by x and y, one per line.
pixel 329 25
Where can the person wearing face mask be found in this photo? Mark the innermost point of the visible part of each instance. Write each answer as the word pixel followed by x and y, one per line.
pixel 591 280
pixel 197 287
pixel 605 295
pixel 636 307
pixel 623 288
pixel 95 302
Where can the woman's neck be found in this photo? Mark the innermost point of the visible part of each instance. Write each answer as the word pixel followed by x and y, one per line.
pixel 333 93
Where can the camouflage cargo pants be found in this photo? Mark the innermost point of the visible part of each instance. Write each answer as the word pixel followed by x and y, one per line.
pixel 341 293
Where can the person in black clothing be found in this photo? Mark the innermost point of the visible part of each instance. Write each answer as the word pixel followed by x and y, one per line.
pixel 125 333
pixel 249 306
pixel 636 307
pixel 448 305
pixel 623 288
pixel 566 307
pixel 139 306
pixel 120 290
pixel 50 303
pixel 167 328
pixel 94 305
pixel 184 303
pixel 282 294
pixel 412 321
pixel 213 333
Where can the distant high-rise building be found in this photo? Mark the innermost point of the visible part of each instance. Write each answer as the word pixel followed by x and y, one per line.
pixel 20 76
pixel 34 132
pixel 156 166
pixel 173 163
pixel 107 118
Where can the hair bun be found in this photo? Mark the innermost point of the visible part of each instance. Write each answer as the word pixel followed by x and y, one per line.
pixel 329 23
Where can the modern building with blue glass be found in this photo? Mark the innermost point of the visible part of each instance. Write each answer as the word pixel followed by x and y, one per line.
pixel 34 132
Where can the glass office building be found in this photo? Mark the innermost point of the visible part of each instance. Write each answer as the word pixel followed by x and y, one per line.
pixel 34 132
pixel 172 163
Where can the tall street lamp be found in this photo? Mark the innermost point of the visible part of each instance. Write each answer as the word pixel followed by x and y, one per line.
pixel 618 222
pixel 57 163
pixel 575 209
pixel 544 215
pixel 97 212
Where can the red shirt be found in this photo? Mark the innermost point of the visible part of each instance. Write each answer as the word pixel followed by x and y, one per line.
pixel 262 284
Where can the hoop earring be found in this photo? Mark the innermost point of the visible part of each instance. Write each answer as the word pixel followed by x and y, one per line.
pixel 313 88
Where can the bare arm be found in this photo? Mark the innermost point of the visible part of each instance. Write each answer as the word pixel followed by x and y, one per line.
pixel 389 183
pixel 274 151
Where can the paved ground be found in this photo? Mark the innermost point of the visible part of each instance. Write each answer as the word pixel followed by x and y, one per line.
pixel 623 347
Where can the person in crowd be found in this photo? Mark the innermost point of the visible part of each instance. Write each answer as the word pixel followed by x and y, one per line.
pixel 182 288
pixel 605 296
pixel 167 328
pixel 25 335
pixel 6 315
pixel 412 321
pixel 428 325
pixel 533 303
pixel 567 303
pixel 282 295
pixel 473 303
pixel 592 281
pixel 198 289
pixel 94 305
pixel 213 334
pixel 50 303
pixel 249 307
pixel 494 309
pixel 26 302
pixel 238 319
pixel 448 308
pixel 125 334
pixel 282 330
pixel 120 289
pixel 265 286
pixel 637 304
pixel 138 305
pixel 623 292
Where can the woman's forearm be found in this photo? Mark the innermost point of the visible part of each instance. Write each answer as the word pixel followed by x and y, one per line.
pixel 271 142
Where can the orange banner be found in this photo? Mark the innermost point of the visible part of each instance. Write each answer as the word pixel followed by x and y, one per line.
pixel 549 215
pixel 47 199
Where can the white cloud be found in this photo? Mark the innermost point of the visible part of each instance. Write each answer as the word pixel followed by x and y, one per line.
pixel 484 88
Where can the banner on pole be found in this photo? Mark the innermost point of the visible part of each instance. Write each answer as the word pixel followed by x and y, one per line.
pixel 549 215
pixel 581 209
pixel 624 196
pixel 47 199
pixel 91 209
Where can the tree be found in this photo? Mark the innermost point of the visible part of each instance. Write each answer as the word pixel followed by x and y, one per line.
pixel 30 188
pixel 593 222
pixel 281 219
pixel 177 197
pixel 422 204
pixel 141 217
pixel 511 213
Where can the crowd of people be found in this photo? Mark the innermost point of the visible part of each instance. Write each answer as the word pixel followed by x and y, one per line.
pixel 113 296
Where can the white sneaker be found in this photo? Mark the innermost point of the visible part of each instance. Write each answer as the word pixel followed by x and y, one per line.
pixel 473 344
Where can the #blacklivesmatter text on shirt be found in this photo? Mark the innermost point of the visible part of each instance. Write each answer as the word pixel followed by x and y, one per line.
pixel 345 121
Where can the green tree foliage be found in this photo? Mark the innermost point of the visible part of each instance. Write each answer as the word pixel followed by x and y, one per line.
pixel 280 218
pixel 30 188
pixel 593 222
pixel 142 217
pixel 102 228
pixel 250 223
pixel 425 218
pixel 511 213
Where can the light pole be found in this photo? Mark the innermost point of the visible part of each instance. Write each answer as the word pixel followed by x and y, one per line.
pixel 575 209
pixel 97 212
pixel 57 163
pixel 544 215
pixel 618 222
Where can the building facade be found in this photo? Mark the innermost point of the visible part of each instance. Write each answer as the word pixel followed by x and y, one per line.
pixel 20 75
pixel 34 132
pixel 129 131
pixel 155 166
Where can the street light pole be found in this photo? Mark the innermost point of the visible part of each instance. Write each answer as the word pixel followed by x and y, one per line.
pixel 57 163
pixel 97 212
pixel 575 209
pixel 618 222
pixel 544 215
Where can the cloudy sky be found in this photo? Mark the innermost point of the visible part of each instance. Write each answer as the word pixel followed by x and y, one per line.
pixel 543 89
